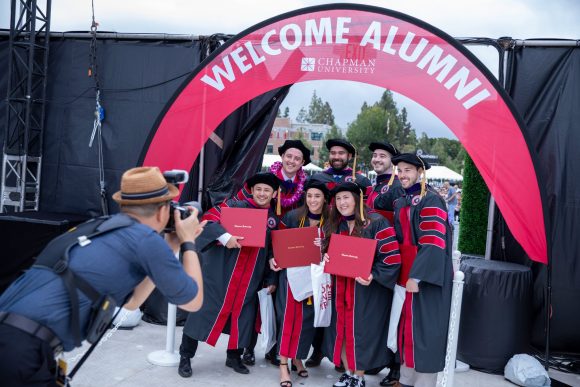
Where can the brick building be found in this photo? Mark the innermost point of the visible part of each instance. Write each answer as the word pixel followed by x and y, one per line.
pixel 311 134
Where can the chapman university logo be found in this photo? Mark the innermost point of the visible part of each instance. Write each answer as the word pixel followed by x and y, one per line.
pixel 307 64
pixel 385 189
pixel 271 222
pixel 336 65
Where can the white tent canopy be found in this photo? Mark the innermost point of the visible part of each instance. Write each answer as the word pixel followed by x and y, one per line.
pixel 440 172
pixel 271 159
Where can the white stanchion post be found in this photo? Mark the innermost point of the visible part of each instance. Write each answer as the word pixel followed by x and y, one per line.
pixel 167 357
pixel 446 379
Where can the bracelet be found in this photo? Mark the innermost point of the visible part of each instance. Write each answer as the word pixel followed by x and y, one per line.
pixel 186 246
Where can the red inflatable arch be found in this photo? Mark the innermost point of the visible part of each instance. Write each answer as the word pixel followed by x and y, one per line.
pixel 374 46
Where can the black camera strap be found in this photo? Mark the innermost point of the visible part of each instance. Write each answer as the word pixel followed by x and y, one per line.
pixel 55 257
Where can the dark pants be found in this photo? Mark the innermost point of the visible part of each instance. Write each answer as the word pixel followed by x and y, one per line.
pixel 317 342
pixel 188 348
pixel 25 360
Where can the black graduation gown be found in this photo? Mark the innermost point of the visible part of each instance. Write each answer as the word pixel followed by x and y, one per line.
pixel 360 314
pixel 425 241
pixel 295 318
pixel 327 178
pixel 381 197
pixel 231 278
pixel 287 191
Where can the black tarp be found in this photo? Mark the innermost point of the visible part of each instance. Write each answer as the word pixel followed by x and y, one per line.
pixel 545 85
pixel 137 78
pixel 237 151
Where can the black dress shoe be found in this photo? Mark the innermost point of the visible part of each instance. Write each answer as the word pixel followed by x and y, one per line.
pixel 339 368
pixel 314 360
pixel 184 370
pixel 248 358
pixel 237 365
pixel 272 357
pixel 392 379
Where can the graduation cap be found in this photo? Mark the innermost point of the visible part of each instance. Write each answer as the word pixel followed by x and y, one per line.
pixel 342 143
pixel 417 161
pixel 264 178
pixel 313 183
pixel 349 186
pixel 298 145
pixel 384 146
pixel 412 159
pixel 387 146
pixel 346 145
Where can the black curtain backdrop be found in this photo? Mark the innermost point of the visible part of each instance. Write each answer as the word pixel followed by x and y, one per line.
pixel 236 151
pixel 137 78
pixel 545 85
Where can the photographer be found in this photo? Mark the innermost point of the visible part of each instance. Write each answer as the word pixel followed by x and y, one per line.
pixel 37 319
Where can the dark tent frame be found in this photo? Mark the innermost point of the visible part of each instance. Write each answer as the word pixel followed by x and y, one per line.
pixel 257 114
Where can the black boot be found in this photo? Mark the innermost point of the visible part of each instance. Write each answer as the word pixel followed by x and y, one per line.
pixel 314 360
pixel 184 370
pixel 248 358
pixel 237 365
pixel 392 379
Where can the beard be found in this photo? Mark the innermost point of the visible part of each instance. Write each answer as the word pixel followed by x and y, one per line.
pixel 338 164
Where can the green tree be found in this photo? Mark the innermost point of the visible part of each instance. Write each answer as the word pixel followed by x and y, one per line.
pixel 301 117
pixel 286 112
pixel 370 124
pixel 279 113
pixel 334 132
pixel 319 112
pixel 303 136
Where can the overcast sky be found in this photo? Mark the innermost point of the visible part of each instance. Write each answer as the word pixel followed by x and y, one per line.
pixel 521 19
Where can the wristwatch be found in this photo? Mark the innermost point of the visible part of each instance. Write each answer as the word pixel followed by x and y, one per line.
pixel 186 246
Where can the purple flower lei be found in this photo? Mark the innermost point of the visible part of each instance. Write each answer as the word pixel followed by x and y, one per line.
pixel 276 169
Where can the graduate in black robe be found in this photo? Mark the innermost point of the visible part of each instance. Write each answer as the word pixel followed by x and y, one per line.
pixel 290 172
pixel 296 318
pixel 357 334
pixel 232 276
pixel 387 188
pixel 425 240
pixel 381 198
pixel 340 153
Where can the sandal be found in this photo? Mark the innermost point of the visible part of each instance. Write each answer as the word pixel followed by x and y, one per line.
pixel 303 373
pixel 285 383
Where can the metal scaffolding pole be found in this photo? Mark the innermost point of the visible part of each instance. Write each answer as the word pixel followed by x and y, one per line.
pixel 25 107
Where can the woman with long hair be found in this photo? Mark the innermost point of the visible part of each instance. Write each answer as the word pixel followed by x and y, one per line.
pixel 357 334
pixel 296 323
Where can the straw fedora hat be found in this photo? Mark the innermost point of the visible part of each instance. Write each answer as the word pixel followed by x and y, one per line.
pixel 144 185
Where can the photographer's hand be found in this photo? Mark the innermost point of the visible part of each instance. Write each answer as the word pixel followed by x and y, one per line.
pixel 188 229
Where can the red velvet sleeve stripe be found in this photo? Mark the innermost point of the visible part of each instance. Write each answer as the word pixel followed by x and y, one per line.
pixel 385 233
pixel 392 259
pixel 432 226
pixel 389 247
pixel 433 211
pixel 432 240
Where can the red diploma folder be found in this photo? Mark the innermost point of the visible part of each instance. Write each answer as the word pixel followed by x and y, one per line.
pixel 295 247
pixel 246 222
pixel 350 256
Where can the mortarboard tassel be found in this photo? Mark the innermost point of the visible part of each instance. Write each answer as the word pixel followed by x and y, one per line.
pixel 354 167
pixel 392 176
pixel 361 206
pixel 279 203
